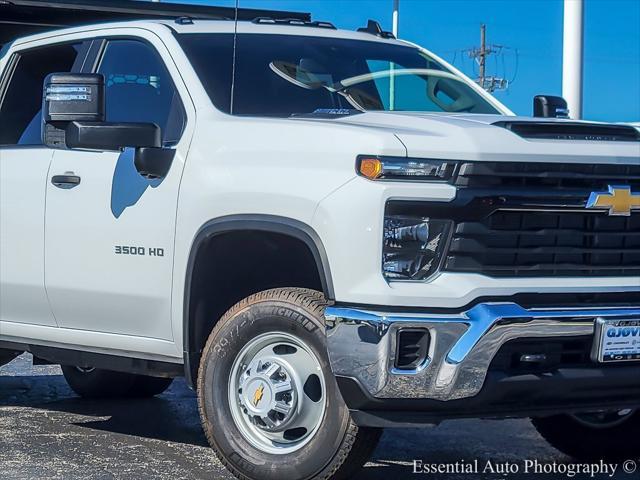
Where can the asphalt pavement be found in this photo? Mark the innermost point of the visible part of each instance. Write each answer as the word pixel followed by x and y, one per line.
pixel 46 432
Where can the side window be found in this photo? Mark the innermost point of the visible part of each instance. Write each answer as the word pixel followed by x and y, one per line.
pixel 20 110
pixel 139 88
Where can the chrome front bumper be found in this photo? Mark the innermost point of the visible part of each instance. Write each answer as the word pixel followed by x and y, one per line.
pixel 361 345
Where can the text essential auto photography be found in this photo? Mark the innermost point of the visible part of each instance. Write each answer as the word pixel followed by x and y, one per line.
pixel 319 239
pixel 527 467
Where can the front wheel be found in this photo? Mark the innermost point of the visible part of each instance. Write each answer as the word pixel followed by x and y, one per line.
pixel 269 404
pixel 610 435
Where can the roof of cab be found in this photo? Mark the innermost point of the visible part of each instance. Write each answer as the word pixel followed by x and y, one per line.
pixel 293 28
pixel 19 18
pixel 218 26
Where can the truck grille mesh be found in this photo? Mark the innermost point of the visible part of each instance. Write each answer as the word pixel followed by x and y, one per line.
pixel 556 176
pixel 521 243
pixel 557 238
pixel 517 219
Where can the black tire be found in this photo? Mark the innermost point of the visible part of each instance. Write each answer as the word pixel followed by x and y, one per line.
pixel 97 383
pixel 145 386
pixel 588 443
pixel 336 450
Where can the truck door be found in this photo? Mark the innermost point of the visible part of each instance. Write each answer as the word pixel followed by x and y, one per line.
pixel 24 165
pixel 110 232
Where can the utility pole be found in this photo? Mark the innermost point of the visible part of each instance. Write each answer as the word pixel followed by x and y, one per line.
pixel 572 56
pixel 480 55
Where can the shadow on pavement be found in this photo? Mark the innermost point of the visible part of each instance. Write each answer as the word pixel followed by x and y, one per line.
pixel 172 416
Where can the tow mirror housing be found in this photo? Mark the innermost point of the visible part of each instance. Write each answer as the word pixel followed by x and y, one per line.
pixel 69 97
pixel 549 106
pixel 112 135
pixel 74 113
pixel 74 117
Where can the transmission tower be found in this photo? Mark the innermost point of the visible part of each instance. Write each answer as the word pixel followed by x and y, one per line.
pixel 490 83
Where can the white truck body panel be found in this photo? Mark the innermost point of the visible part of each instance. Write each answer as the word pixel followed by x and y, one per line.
pixel 23 176
pixel 86 224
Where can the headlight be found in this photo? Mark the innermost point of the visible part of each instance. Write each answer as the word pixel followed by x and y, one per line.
pixel 400 168
pixel 413 246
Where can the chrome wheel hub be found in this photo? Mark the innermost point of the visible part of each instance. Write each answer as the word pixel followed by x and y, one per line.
pixel 267 394
pixel 277 393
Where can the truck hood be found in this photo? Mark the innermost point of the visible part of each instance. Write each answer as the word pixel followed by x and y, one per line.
pixel 483 138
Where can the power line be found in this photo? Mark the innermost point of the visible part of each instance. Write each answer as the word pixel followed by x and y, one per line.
pixel 480 54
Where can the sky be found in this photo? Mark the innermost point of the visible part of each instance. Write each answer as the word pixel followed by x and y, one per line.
pixel 530 32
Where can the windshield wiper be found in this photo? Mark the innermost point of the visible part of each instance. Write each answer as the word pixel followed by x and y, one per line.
pixel 327 113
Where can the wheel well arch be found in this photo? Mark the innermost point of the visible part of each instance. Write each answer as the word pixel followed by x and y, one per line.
pixel 263 237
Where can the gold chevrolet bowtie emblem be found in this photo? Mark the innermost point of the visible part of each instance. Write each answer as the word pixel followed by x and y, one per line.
pixel 619 200
pixel 257 395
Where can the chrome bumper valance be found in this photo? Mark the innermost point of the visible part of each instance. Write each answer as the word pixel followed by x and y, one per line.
pixel 362 344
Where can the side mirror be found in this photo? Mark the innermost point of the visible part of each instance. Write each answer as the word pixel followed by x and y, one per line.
pixel 548 106
pixel 112 135
pixel 74 117
pixel 69 97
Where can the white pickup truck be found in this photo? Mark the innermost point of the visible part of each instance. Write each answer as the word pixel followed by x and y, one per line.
pixel 326 232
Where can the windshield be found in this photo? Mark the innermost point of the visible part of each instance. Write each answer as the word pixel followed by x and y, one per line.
pixel 284 75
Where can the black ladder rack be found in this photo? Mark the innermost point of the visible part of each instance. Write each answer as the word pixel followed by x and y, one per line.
pixel 24 17
pixel 294 22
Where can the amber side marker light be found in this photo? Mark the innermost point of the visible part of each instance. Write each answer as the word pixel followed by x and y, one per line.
pixel 370 168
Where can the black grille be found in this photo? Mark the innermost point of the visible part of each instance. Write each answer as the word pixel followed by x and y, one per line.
pixel 538 243
pixel 515 356
pixel 591 132
pixel 571 300
pixel 588 177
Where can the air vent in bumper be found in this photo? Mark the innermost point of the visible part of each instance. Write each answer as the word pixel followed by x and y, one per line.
pixel 412 348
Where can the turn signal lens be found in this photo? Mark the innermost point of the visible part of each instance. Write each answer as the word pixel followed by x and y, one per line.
pixel 370 168
pixel 403 168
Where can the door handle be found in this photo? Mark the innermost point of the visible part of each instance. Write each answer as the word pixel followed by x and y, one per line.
pixel 68 180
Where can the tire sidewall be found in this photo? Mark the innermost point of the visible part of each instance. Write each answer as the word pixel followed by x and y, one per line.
pixel 256 319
